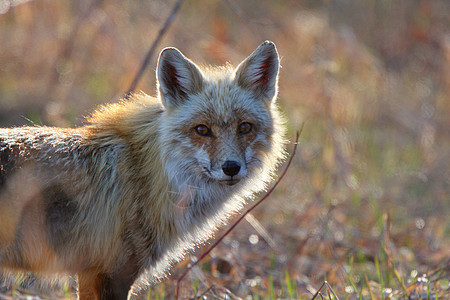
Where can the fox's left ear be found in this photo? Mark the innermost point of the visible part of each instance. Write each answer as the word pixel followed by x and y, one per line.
pixel 259 72
pixel 177 76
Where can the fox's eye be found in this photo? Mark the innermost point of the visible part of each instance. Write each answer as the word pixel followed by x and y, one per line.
pixel 245 128
pixel 203 130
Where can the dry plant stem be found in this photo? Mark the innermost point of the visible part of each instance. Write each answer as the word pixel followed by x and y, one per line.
pixel 243 215
pixel 152 49
pixel 321 287
pixel 368 287
pixel 66 48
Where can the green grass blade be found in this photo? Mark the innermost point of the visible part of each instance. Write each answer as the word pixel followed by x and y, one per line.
pixel 289 286
pixel 271 289
pixel 380 278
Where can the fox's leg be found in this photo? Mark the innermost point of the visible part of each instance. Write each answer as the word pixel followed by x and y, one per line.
pixel 102 287
pixel 87 283
pixel 93 285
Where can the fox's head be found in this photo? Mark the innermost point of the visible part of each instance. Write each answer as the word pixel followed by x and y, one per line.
pixel 220 125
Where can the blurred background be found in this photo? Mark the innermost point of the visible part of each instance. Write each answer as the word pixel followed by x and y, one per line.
pixel 366 202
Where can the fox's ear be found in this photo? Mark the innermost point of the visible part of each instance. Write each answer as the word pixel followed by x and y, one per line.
pixel 259 72
pixel 177 77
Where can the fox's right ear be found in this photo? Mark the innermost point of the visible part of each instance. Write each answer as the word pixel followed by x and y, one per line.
pixel 259 72
pixel 177 77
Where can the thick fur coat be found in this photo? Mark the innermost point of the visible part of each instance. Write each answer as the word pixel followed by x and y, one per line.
pixel 146 180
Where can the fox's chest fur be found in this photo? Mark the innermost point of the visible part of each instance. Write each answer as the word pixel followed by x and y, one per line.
pixel 145 181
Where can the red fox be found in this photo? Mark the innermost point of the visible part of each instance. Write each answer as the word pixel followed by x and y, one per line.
pixel 145 180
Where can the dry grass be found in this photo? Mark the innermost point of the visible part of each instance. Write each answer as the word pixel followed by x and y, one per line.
pixel 365 204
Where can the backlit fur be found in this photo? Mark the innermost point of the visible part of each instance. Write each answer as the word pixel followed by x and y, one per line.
pixel 132 191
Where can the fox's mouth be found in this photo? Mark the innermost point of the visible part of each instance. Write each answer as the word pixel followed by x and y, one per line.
pixel 230 181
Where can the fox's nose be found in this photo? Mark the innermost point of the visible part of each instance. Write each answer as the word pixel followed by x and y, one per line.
pixel 231 167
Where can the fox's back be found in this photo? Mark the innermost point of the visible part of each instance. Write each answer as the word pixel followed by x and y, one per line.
pixel 42 151
pixel 46 176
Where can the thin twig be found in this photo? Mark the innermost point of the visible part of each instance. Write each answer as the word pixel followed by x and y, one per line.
pixel 152 49
pixel 321 287
pixel 261 230
pixel 331 289
pixel 66 47
pixel 318 291
pixel 242 216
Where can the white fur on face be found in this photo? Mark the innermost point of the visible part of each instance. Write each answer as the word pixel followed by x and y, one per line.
pixel 248 154
pixel 203 159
